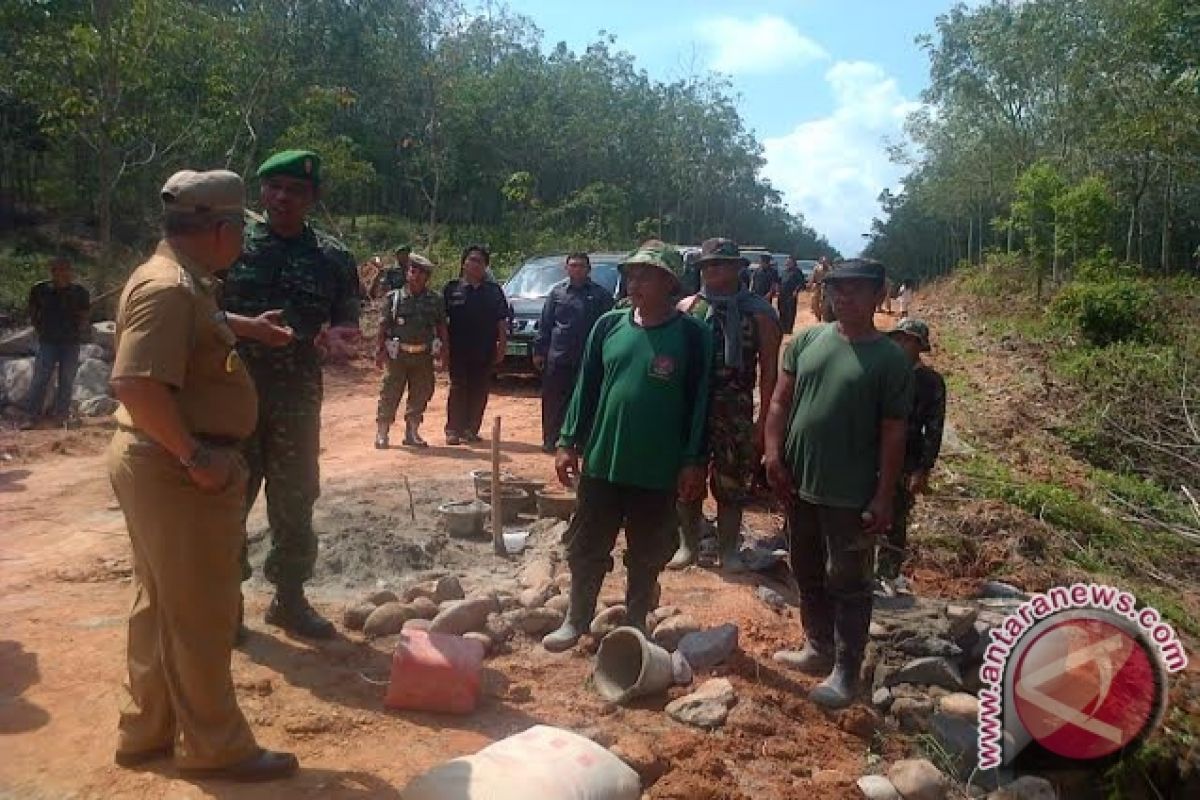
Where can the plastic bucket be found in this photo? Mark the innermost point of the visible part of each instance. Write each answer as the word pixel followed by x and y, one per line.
pixel 629 666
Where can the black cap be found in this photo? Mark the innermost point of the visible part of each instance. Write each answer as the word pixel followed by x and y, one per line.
pixel 858 269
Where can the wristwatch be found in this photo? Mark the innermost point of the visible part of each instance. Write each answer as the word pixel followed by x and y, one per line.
pixel 200 458
pixel 221 317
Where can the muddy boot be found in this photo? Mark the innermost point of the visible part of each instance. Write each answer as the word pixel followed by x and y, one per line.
pixel 290 610
pixel 412 435
pixel 641 597
pixel 381 435
pixel 689 535
pixel 585 588
pixel 816 657
pixel 851 625
pixel 729 538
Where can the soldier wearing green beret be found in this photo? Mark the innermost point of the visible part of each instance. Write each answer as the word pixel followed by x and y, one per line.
pixel 288 264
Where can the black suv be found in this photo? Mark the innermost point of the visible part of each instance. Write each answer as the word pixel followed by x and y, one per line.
pixel 527 291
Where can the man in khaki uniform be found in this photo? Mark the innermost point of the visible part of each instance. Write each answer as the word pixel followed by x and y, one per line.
pixel 186 402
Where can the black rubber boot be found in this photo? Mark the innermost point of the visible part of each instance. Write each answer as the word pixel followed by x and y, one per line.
pixel 729 538
pixel 641 597
pixel 381 435
pixel 585 588
pixel 412 435
pixel 290 610
pixel 852 622
pixel 816 657
pixel 690 516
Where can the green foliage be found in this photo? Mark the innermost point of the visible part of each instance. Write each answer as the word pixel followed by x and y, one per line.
pixel 1083 213
pixel 1107 312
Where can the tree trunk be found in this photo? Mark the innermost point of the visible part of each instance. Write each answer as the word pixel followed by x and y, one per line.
pixel 106 155
pixel 1165 256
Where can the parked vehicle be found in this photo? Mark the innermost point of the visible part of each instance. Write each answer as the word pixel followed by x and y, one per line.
pixel 527 291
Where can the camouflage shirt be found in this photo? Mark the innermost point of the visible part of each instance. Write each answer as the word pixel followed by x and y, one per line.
pixel 393 278
pixel 412 319
pixel 728 379
pixel 312 278
pixel 924 440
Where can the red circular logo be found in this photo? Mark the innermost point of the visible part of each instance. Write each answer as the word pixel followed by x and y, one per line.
pixel 1085 687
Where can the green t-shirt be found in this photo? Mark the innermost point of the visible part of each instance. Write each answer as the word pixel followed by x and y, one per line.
pixel 843 391
pixel 640 403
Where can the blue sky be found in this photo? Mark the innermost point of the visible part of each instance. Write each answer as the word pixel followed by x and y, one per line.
pixel 824 84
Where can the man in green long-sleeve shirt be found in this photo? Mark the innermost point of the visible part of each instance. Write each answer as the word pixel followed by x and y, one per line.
pixel 637 418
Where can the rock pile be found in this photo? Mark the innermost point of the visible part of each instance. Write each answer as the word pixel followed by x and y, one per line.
pixel 90 396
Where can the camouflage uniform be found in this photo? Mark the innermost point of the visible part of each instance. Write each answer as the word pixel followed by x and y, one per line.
pixel 411 321
pixel 313 279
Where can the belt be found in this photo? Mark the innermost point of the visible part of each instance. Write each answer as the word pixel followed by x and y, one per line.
pixel 210 439
pixel 413 348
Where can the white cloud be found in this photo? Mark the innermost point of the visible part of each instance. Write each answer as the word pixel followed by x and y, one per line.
pixel 832 169
pixel 759 46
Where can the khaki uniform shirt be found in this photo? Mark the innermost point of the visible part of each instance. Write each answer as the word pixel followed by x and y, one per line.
pixel 412 319
pixel 167 331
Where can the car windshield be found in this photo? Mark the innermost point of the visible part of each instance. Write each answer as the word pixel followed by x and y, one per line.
pixel 536 278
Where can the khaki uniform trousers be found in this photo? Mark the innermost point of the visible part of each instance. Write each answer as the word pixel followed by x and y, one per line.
pixel 186 578
pixel 411 372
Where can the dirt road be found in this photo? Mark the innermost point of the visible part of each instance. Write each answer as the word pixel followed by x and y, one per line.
pixel 64 594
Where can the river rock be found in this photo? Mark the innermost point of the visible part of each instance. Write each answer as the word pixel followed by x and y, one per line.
pixel 882 698
pixel 98 407
pixel 563 581
pixel 425 589
pixel 1001 591
pixel 877 787
pixel 705 649
pixel 20 343
pixel 912 713
pixel 416 624
pixel 16 374
pixel 389 618
pixel 448 588
pixel 918 779
pixel 560 602
pixel 707 707
pixel 91 380
pixel 670 631
pixel 355 616
pixel 498 629
pixel 1027 787
pixel 961 619
pixel 536 596
pixel 928 646
pixel 382 596
pixel 771 597
pixel 655 617
pixel 482 638
pixel 681 670
pixel 464 615
pixel 960 705
pixel 928 671
pixel 105 334
pixel 94 351
pixel 607 621
pixel 537 572
pixel 535 621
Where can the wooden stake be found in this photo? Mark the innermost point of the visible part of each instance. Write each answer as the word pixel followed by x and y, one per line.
pixel 412 508
pixel 497 526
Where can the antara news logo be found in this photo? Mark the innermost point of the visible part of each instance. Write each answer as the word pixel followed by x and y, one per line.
pixel 1080 670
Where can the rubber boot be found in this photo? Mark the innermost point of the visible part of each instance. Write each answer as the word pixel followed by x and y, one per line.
pixel 816 657
pixel 852 622
pixel 689 535
pixel 729 538
pixel 641 597
pixel 412 435
pixel 585 588
pixel 291 611
pixel 381 435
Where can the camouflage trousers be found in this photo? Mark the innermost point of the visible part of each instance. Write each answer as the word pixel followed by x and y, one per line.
pixel 734 456
pixel 411 372
pixel 283 453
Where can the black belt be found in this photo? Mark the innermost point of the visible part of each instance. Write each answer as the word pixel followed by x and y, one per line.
pixel 210 439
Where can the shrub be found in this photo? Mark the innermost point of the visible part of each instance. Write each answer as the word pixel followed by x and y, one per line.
pixel 1107 312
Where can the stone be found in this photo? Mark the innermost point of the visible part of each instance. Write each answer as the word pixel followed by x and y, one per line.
pixel 534 621
pixel 482 638
pixel 560 602
pixel 99 407
pixel 681 670
pixel 958 737
pixel 754 717
pixel 563 581
pixel 426 589
pixel 1027 787
pixel 928 671
pixel 607 621
pixel 1001 590
pixel 389 618
pixel 448 588
pixel 878 630
pixel 655 617
pixel 498 629
pixel 707 707
pixel 91 380
pixel 464 615
pixel 507 600
pixel 16 374
pixel 105 334
pixel 537 572
pixel 23 342
pixel 771 597
pixel 918 779
pixel 960 705
pixel 705 649
pixel 877 787
pixel 557 532
pixel 928 646
pixel 94 351
pixel 912 713
pixel 382 596
pixel 668 633
pixel 882 698
pixel 416 625
pixel 639 753
pixel 536 596
pixel 355 616
pixel 860 721
pixel 423 608
pixel 961 619
pixel 540 526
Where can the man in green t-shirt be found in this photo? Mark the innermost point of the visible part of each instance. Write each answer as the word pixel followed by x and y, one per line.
pixel 637 417
pixel 834 451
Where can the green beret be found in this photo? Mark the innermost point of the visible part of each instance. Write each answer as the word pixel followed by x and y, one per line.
pixel 303 164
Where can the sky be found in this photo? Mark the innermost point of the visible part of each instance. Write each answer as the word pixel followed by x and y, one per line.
pixel 825 85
